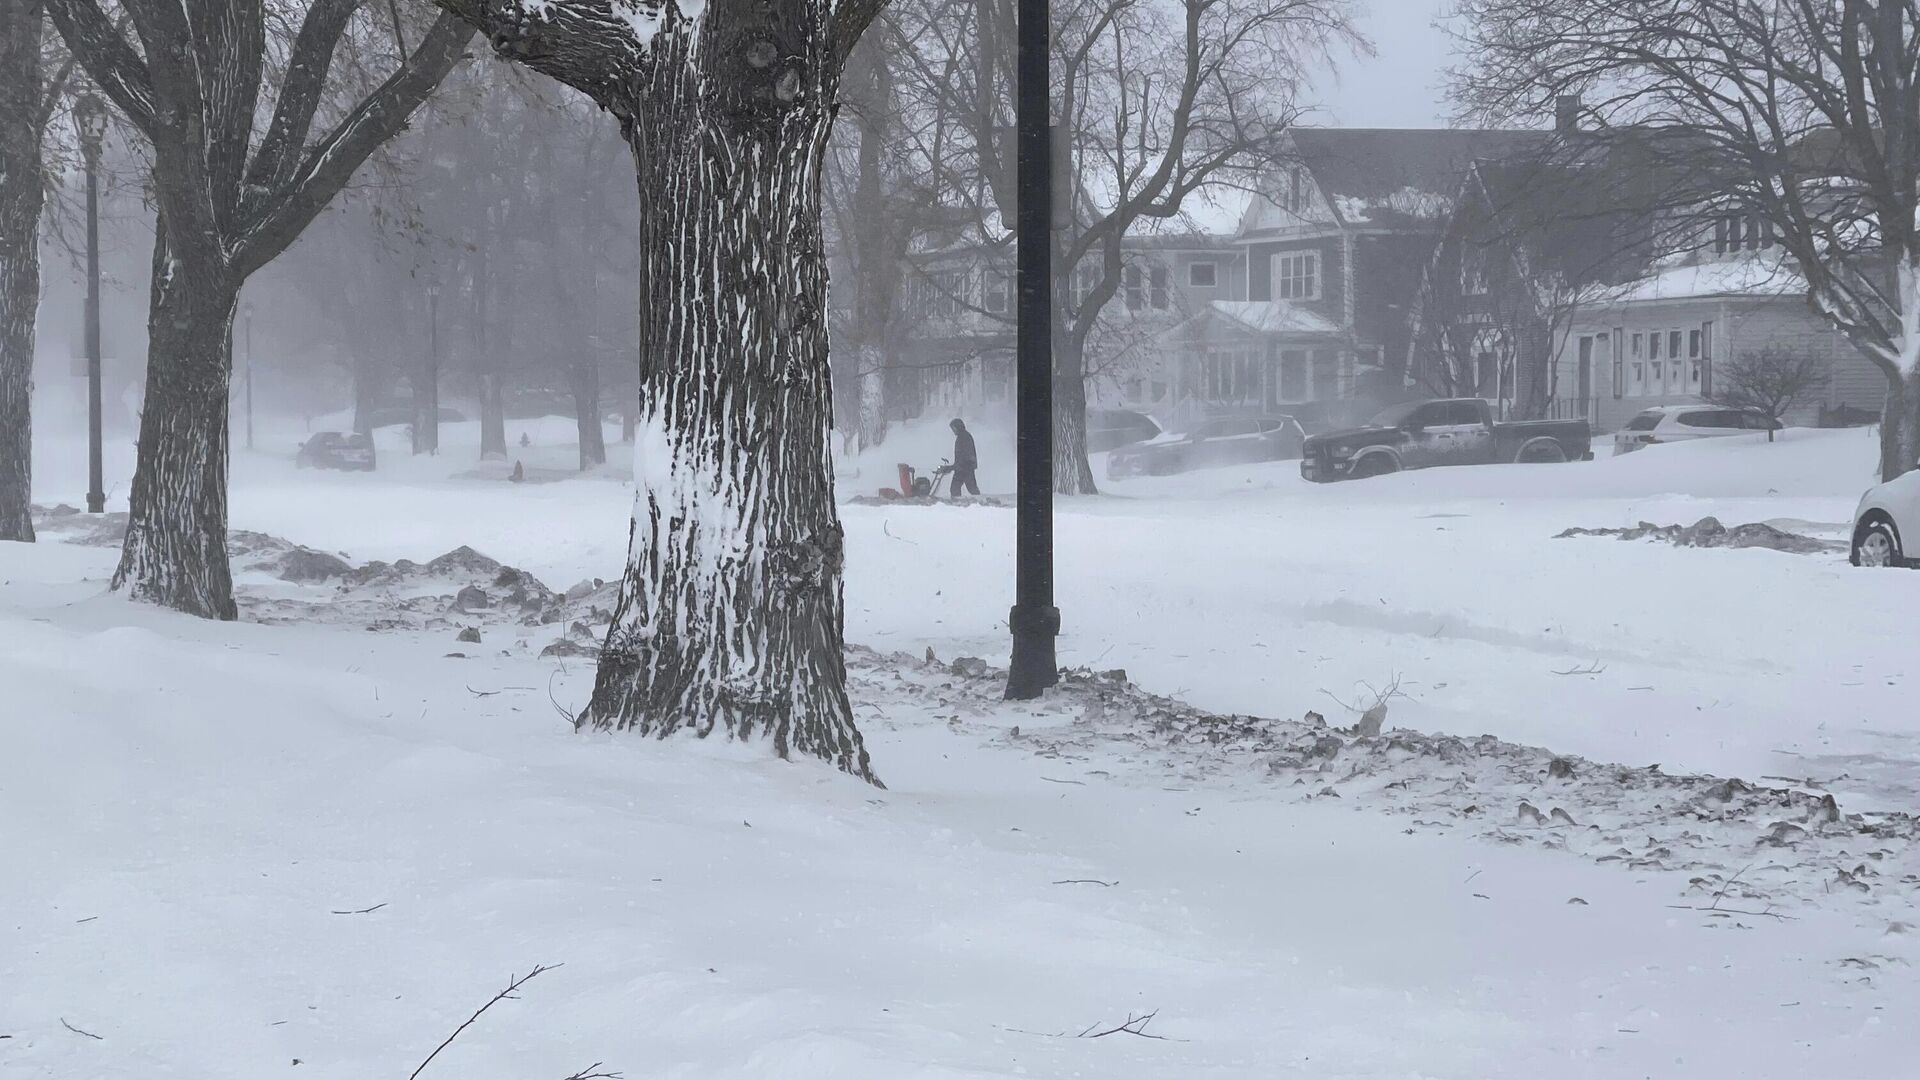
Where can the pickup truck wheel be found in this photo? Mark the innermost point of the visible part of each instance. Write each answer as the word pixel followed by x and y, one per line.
pixel 1543 452
pixel 1875 543
pixel 1374 465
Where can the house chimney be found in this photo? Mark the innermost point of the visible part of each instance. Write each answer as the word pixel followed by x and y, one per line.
pixel 1566 113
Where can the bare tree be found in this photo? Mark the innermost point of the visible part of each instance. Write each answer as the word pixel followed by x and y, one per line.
pixel 1804 114
pixel 730 612
pixel 1772 381
pixel 1158 101
pixel 29 92
pixel 230 199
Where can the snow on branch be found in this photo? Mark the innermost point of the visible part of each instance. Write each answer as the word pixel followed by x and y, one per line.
pixel 108 57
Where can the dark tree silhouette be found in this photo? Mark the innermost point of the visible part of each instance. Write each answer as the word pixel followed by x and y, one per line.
pixel 230 198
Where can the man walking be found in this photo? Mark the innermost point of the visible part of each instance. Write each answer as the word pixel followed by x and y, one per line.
pixel 965 461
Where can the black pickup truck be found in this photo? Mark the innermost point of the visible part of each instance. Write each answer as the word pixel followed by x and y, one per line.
pixel 1449 431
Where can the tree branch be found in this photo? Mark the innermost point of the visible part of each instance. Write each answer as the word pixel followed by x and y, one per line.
pixel 109 59
pixel 332 162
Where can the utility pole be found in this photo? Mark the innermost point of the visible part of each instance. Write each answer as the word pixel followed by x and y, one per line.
pixel 247 314
pixel 1034 620
pixel 90 120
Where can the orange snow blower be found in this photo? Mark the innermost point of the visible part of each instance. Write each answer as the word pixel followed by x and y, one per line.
pixel 915 486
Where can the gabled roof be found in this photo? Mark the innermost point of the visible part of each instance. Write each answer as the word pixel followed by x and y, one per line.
pixel 1408 170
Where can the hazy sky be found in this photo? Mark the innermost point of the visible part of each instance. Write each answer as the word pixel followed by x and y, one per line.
pixel 1401 86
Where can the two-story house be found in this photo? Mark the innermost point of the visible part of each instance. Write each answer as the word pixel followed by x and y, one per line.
pixel 1334 246
pixel 1595 278
pixel 961 354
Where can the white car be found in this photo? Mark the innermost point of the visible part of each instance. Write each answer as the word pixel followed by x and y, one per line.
pixel 1885 515
pixel 1680 423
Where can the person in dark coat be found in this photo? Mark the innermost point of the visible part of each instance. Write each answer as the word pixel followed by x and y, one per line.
pixel 965 461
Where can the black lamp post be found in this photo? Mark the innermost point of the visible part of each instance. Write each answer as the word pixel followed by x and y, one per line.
pixel 1035 621
pixel 90 122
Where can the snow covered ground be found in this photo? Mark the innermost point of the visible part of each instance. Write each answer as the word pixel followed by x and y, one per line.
pixel 185 806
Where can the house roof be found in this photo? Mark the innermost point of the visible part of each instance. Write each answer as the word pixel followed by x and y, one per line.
pixel 1409 171
pixel 1267 317
pixel 1763 275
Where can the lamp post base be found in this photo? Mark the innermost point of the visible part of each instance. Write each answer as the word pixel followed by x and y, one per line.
pixel 96 503
pixel 1035 666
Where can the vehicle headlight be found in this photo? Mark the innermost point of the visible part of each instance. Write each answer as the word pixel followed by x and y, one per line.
pixel 1340 453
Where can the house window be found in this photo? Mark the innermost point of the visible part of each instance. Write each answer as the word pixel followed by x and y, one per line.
pixel 998 290
pixel 1473 270
pixel 1674 340
pixel 949 292
pixel 1202 275
pixel 1293 375
pixel 1326 375
pixel 1157 288
pixel 1136 289
pixel 1296 275
pixel 1294 197
pixel 1083 281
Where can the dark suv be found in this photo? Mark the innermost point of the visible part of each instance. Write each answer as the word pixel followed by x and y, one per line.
pixel 336 450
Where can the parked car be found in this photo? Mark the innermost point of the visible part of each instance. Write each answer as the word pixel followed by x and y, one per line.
pixel 1681 423
pixel 1887 519
pixel 1109 429
pixel 1449 431
pixel 1214 443
pixel 336 450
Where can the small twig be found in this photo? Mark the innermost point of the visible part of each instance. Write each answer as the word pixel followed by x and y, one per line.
pixel 77 1031
pixel 1728 884
pixel 481 693
pixel 1087 881
pixel 589 1073
pixel 364 910
pixel 1473 875
pixel 513 984
pixel 1594 668
pixel 88 919
pixel 1732 911
pixel 1135 1025
pixel 1051 780
pixel 886 528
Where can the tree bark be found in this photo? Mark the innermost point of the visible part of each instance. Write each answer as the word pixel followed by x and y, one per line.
pixel 366 394
pixel 22 195
pixel 1072 473
pixel 730 613
pixel 583 378
pixel 175 552
pixel 1900 426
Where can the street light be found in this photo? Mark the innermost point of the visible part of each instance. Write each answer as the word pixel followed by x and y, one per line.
pixel 1035 622
pixel 90 122
pixel 247 315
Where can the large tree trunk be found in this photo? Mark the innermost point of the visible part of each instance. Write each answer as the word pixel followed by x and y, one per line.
pixel 730 613
pixel 175 553
pixel 1072 473
pixel 1900 426
pixel 366 393
pixel 493 418
pixel 583 378
pixel 22 195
